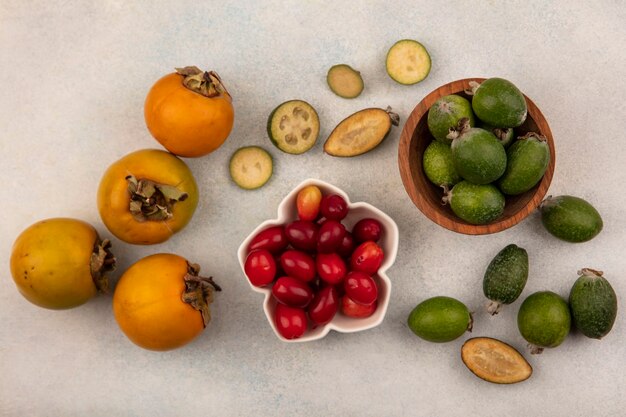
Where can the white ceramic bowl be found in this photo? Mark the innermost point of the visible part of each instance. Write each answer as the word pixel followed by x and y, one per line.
pixel 287 212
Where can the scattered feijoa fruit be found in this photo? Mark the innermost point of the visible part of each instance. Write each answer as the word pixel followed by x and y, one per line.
pixel 527 161
pixel 593 304
pixel 505 277
pixel 408 62
pixel 251 167
pixel 476 204
pixel 544 320
pixel 438 165
pixel 361 132
pixel 345 81
pixel 293 126
pixel 446 113
pixel 495 361
pixel 570 218
pixel 477 155
pixel 499 102
pixel 440 319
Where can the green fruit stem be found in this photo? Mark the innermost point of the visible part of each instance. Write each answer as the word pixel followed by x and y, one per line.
pixel 534 135
pixel 462 127
pixel 473 87
pixel 493 307
pixel 534 349
pixel 102 261
pixel 150 200
pixel 206 83
pixel 592 273
pixel 394 117
pixel 199 291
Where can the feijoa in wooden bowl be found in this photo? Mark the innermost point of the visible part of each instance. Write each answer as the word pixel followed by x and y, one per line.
pixel 427 196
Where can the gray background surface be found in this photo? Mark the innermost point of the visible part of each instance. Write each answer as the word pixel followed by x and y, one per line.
pixel 73 77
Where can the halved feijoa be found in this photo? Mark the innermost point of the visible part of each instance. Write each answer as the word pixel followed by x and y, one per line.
pixel 345 81
pixel 361 132
pixel 293 126
pixel 570 218
pixel 593 304
pixel 495 361
pixel 446 113
pixel 408 62
pixel 505 277
pixel 544 320
pixel 251 167
pixel 440 319
pixel 438 165
pixel 476 204
pixel 499 102
pixel 527 161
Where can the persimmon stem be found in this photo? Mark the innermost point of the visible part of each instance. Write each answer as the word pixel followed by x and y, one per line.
pixel 199 291
pixel 150 200
pixel 102 261
pixel 206 83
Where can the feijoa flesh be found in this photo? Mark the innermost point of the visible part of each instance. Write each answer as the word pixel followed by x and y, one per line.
pixel 438 165
pixel 361 132
pixel 505 277
pixel 499 102
pixel 593 304
pixel 251 167
pixel 478 156
pixel 440 319
pixel 570 218
pixel 527 161
pixel 495 361
pixel 408 62
pixel 476 204
pixel 344 81
pixel 446 113
pixel 544 320
pixel 293 126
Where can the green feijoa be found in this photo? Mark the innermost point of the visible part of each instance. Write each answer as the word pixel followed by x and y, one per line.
pixel 440 319
pixel 544 320
pixel 527 161
pixel 499 103
pixel 505 277
pixel 570 218
pixel 446 113
pixel 593 303
pixel 478 156
pixel 476 204
pixel 438 166
pixel 506 135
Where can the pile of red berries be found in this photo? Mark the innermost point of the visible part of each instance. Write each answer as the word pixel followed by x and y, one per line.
pixel 315 265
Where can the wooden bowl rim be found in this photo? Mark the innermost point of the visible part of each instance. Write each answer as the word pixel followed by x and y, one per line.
pixel 421 201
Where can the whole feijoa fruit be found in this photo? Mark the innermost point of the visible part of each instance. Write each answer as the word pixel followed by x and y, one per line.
pixel 570 218
pixel 593 303
pixel 499 102
pixel 544 320
pixel 505 277
pixel 527 161
pixel 476 204
pixel 438 165
pixel 478 156
pixel 506 135
pixel 440 319
pixel 446 113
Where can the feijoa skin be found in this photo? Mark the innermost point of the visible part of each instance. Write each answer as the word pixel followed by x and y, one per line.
pixel 505 277
pixel 527 161
pixel 593 304
pixel 478 156
pixel 440 319
pixel 570 218
pixel 500 103
pixel 438 165
pixel 544 320
pixel 506 135
pixel 476 204
pixel 446 113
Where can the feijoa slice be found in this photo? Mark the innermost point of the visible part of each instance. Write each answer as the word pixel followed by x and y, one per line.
pixel 478 156
pixel 505 277
pixel 499 102
pixel 293 126
pixel 440 319
pixel 408 62
pixel 476 204
pixel 438 165
pixel 593 304
pixel 495 361
pixel 345 81
pixel 527 161
pixel 506 135
pixel 570 218
pixel 544 320
pixel 361 132
pixel 446 113
pixel 251 167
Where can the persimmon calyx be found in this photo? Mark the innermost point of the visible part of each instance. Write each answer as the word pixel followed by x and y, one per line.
pixel 102 261
pixel 207 83
pixel 150 200
pixel 199 291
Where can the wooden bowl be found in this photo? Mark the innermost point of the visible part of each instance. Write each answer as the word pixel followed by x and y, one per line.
pixel 426 196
